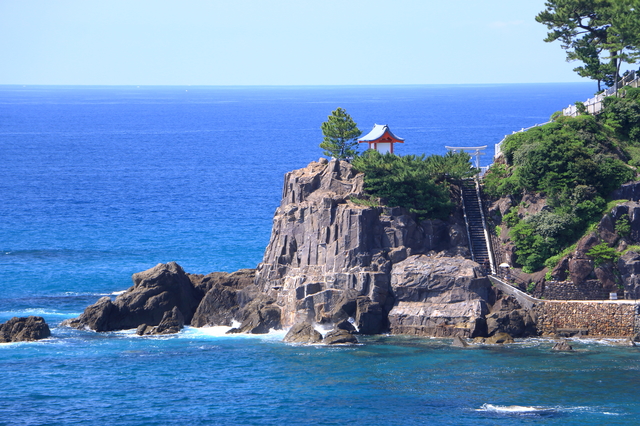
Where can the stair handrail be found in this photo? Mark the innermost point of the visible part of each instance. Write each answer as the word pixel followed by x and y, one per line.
pixel 466 219
pixel 487 238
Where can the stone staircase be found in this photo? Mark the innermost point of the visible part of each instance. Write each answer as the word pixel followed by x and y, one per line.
pixel 476 228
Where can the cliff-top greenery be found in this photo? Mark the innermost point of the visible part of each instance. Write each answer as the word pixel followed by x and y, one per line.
pixel 575 163
pixel 418 183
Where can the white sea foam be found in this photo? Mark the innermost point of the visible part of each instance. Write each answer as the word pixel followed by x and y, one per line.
pixel 220 331
pixel 515 409
pixel 117 293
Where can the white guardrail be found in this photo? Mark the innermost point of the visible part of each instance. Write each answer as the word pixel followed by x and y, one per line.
pixel 593 106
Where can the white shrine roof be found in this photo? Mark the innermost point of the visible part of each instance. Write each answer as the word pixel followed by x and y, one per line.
pixel 377 132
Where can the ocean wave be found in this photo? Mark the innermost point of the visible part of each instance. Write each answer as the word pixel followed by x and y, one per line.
pixel 541 411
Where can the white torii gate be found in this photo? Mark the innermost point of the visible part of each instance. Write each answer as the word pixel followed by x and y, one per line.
pixel 476 151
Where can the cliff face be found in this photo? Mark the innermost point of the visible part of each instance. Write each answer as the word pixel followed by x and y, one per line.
pixel 330 258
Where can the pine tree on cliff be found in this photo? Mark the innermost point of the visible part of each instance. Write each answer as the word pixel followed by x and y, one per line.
pixel 340 135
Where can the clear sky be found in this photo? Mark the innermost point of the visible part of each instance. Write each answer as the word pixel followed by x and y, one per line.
pixel 276 42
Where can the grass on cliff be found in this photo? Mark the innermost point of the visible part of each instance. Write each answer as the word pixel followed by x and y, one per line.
pixel 575 163
pixel 417 183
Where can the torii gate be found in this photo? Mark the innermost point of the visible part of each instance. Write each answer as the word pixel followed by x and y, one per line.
pixel 476 151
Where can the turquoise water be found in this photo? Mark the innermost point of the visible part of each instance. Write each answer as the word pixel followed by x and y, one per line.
pixel 97 183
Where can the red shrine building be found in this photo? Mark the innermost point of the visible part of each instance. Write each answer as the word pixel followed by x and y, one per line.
pixel 381 139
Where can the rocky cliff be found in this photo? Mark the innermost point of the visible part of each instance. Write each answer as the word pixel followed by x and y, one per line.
pixel 331 257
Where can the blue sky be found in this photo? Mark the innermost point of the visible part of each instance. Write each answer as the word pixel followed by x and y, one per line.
pixel 277 42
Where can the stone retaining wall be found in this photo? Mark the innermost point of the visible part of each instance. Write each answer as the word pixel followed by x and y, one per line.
pixel 567 290
pixel 601 319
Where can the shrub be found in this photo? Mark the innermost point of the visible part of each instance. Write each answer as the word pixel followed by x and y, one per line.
pixel 602 253
pixel 623 226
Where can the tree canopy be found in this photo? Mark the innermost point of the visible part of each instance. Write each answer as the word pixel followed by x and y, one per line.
pixel 340 134
pixel 602 34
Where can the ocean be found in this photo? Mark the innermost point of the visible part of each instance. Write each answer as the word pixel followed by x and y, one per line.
pixel 97 183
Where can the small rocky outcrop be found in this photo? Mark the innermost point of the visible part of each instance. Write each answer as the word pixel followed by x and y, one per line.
pixel 172 322
pixel 154 292
pixel 459 342
pixel 439 296
pixel 507 316
pixel 24 329
pixel 304 333
pixel 562 346
pixel 339 337
pixel 499 339
pixel 259 316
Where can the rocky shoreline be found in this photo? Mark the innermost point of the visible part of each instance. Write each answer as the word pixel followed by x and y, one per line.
pixel 331 261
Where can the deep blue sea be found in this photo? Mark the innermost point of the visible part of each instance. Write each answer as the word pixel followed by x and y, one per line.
pixel 97 183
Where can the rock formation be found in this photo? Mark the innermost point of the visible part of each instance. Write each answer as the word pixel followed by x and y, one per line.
pixel 165 298
pixel 439 296
pixel 24 329
pixel 303 332
pixel 330 257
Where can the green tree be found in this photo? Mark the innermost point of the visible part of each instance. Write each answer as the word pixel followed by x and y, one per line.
pixel 340 135
pixel 600 33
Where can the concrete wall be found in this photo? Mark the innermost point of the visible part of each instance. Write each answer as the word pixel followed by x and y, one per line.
pixel 597 318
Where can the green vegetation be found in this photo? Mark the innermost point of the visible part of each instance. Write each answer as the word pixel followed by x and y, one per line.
pixel 575 163
pixel 340 135
pixel 602 34
pixel 602 253
pixel 417 183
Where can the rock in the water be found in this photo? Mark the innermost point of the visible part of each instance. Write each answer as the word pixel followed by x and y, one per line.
pixel 172 322
pixel 562 346
pixel 517 323
pixel 303 333
pixel 339 337
pixel 499 339
pixel 259 316
pixel 439 296
pixel 370 316
pixel 24 329
pixel 154 292
pixel 459 342
pixel 346 326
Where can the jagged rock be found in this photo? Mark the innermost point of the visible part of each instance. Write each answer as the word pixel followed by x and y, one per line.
pixel 339 337
pixel 629 267
pixel 458 342
pixel 559 273
pixel 325 250
pixel 628 191
pixel 172 322
pixel 155 291
pixel 562 346
pixel 346 326
pixel 259 316
pixel 439 296
pixel 606 230
pixel 226 295
pixel 517 323
pixel 24 329
pixel 303 332
pixel 370 316
pixel 636 338
pixel 579 270
pixel 499 339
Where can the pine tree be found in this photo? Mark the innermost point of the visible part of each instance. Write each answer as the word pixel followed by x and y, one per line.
pixel 340 135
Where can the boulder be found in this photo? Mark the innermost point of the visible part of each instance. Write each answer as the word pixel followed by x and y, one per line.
pixel 439 296
pixel 172 322
pixel 339 337
pixel 346 326
pixel 303 333
pixel 24 329
pixel 155 291
pixel 517 323
pixel 562 346
pixel 459 342
pixel 499 339
pixel 259 316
